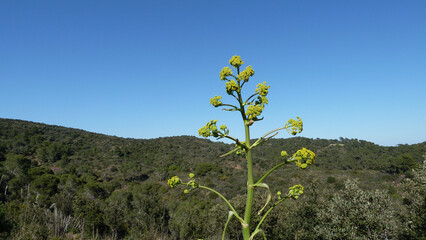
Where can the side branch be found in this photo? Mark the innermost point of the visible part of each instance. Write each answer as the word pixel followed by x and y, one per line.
pixel 250 98
pixel 227 202
pixel 273 169
pixel 269 210
pixel 266 138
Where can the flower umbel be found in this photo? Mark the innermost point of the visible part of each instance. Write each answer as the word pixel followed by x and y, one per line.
pixel 254 110
pixel 294 126
pixel 226 71
pixel 246 74
pixel 174 181
pixel 211 130
pixel 262 89
pixel 236 61
pixel 231 86
pixel 304 158
pixel 215 101
pixel 295 191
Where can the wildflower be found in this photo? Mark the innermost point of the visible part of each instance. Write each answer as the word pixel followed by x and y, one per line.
pixel 215 101
pixel 174 181
pixel 232 86
pixel 209 130
pixel 236 61
pixel 225 72
pixel 304 158
pixel 262 100
pixel 246 74
pixel 294 126
pixel 284 154
pixel 295 191
pixel 191 175
pixel 262 89
pixel 254 110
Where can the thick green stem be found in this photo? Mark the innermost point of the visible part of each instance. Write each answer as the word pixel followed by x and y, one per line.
pixel 249 203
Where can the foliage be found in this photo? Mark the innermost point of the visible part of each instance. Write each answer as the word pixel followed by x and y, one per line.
pixel 413 193
pixel 125 182
pixel 357 214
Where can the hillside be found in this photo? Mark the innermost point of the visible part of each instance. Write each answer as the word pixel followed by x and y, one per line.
pixel 86 176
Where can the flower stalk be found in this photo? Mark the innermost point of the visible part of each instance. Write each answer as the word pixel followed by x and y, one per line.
pixel 250 111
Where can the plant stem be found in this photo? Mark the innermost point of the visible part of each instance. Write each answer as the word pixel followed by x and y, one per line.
pixel 249 203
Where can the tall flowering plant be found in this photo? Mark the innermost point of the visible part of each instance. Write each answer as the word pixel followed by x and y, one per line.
pixel 250 109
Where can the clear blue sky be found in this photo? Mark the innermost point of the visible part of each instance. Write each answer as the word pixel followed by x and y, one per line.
pixel 147 69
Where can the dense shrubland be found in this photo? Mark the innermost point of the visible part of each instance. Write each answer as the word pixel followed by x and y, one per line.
pixel 61 183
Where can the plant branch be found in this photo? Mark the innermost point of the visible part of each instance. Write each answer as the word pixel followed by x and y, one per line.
pixel 226 224
pixel 273 169
pixel 227 202
pixel 267 134
pixel 266 214
pixel 250 97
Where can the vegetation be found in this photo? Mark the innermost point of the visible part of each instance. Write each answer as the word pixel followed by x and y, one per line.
pixel 62 183
pixel 250 110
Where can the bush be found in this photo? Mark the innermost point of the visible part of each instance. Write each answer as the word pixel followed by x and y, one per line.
pixel 357 214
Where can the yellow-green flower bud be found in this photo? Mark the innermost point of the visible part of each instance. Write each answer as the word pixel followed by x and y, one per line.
pixel 262 89
pixel 191 175
pixel 209 130
pixel 284 154
pixel 261 100
pixel 254 110
pixel 225 72
pixel 186 191
pixel 231 86
pixel 236 61
pixel 294 126
pixel 215 101
pixel 304 158
pixel 295 191
pixel 246 74
pixel 174 181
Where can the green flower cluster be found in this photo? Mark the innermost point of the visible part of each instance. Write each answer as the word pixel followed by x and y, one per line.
pixel 261 100
pixel 262 89
pixel 295 191
pixel 254 110
pixel 236 61
pixel 215 101
pixel 232 86
pixel 191 183
pixel 246 74
pixel 304 158
pixel 226 71
pixel 294 126
pixel 174 181
pixel 211 130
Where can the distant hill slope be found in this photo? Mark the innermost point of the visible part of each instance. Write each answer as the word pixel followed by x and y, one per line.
pixel 118 185
pixel 110 156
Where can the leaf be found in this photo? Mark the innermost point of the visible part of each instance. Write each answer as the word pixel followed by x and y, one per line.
pixel 264 185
